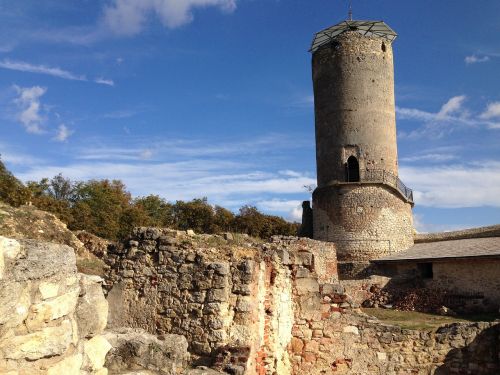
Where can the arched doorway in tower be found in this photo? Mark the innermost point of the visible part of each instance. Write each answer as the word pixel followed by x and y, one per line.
pixel 352 169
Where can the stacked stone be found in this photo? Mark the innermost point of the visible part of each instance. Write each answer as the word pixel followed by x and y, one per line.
pixel 226 297
pixel 51 318
pixel 355 344
pixel 165 284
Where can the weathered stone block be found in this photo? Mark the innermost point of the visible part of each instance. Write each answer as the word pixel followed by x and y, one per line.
pixel 47 342
pixel 92 308
pixel 302 272
pixel 217 295
pixel 55 308
pixel 95 351
pixel 307 285
pixel 68 366
pixel 48 290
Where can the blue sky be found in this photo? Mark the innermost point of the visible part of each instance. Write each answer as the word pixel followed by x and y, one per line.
pixel 193 98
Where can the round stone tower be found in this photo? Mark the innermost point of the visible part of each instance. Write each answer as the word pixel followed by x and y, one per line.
pixel 360 203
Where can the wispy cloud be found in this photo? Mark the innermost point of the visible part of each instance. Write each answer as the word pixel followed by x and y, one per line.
pixel 30 107
pixel 473 59
pixel 63 133
pixel 429 157
pixel 186 169
pixel 222 181
pixel 104 81
pixel 193 148
pixel 40 69
pixel 127 17
pixel 291 209
pixel 423 226
pixel 23 66
pixel 6 48
pixel 449 118
pixel 120 114
pixel 492 111
pixel 455 186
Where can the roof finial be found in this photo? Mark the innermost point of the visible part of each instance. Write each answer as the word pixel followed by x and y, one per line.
pixel 350 10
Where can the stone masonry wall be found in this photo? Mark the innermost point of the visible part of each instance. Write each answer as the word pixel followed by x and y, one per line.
pixel 476 277
pixel 227 297
pixel 348 342
pixel 276 308
pixel 51 317
pixel 353 80
pixel 365 221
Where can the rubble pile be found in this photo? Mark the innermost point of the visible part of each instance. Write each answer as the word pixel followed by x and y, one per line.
pixel 412 299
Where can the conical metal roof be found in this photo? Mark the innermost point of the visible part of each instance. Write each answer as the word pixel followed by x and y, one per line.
pixel 369 28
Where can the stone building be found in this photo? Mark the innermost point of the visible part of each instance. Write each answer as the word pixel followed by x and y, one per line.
pixel 360 204
pixel 466 270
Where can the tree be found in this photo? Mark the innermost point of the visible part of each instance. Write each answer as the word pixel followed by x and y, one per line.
pixel 197 215
pixel 250 221
pixel 158 210
pixel 54 196
pixel 12 191
pixel 99 206
pixel 223 220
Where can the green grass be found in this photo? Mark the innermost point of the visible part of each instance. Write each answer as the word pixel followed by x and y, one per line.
pixel 423 321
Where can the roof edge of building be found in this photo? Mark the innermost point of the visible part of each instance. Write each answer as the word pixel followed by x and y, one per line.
pixel 471 233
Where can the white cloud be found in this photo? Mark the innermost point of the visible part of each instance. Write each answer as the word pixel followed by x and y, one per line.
pixel 219 180
pixel 291 209
pixel 127 17
pixel 492 111
pixel 432 157
pixel 63 133
pixel 104 81
pixel 194 148
pixel 455 186
pixel 452 106
pixel 10 156
pixel 120 114
pixel 146 154
pixel 22 66
pixel 473 59
pixel 422 226
pixel 29 104
pixel 41 69
pixel 449 118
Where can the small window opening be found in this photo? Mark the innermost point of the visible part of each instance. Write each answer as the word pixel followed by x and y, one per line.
pixel 352 169
pixel 425 270
pixel 383 47
pixel 335 45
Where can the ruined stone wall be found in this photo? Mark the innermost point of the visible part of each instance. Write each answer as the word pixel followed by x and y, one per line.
pixel 353 81
pixel 353 343
pixel 51 318
pixel 276 308
pixel 231 299
pixel 364 221
pixel 474 277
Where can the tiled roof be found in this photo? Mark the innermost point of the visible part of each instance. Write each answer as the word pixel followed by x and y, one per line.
pixel 468 248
